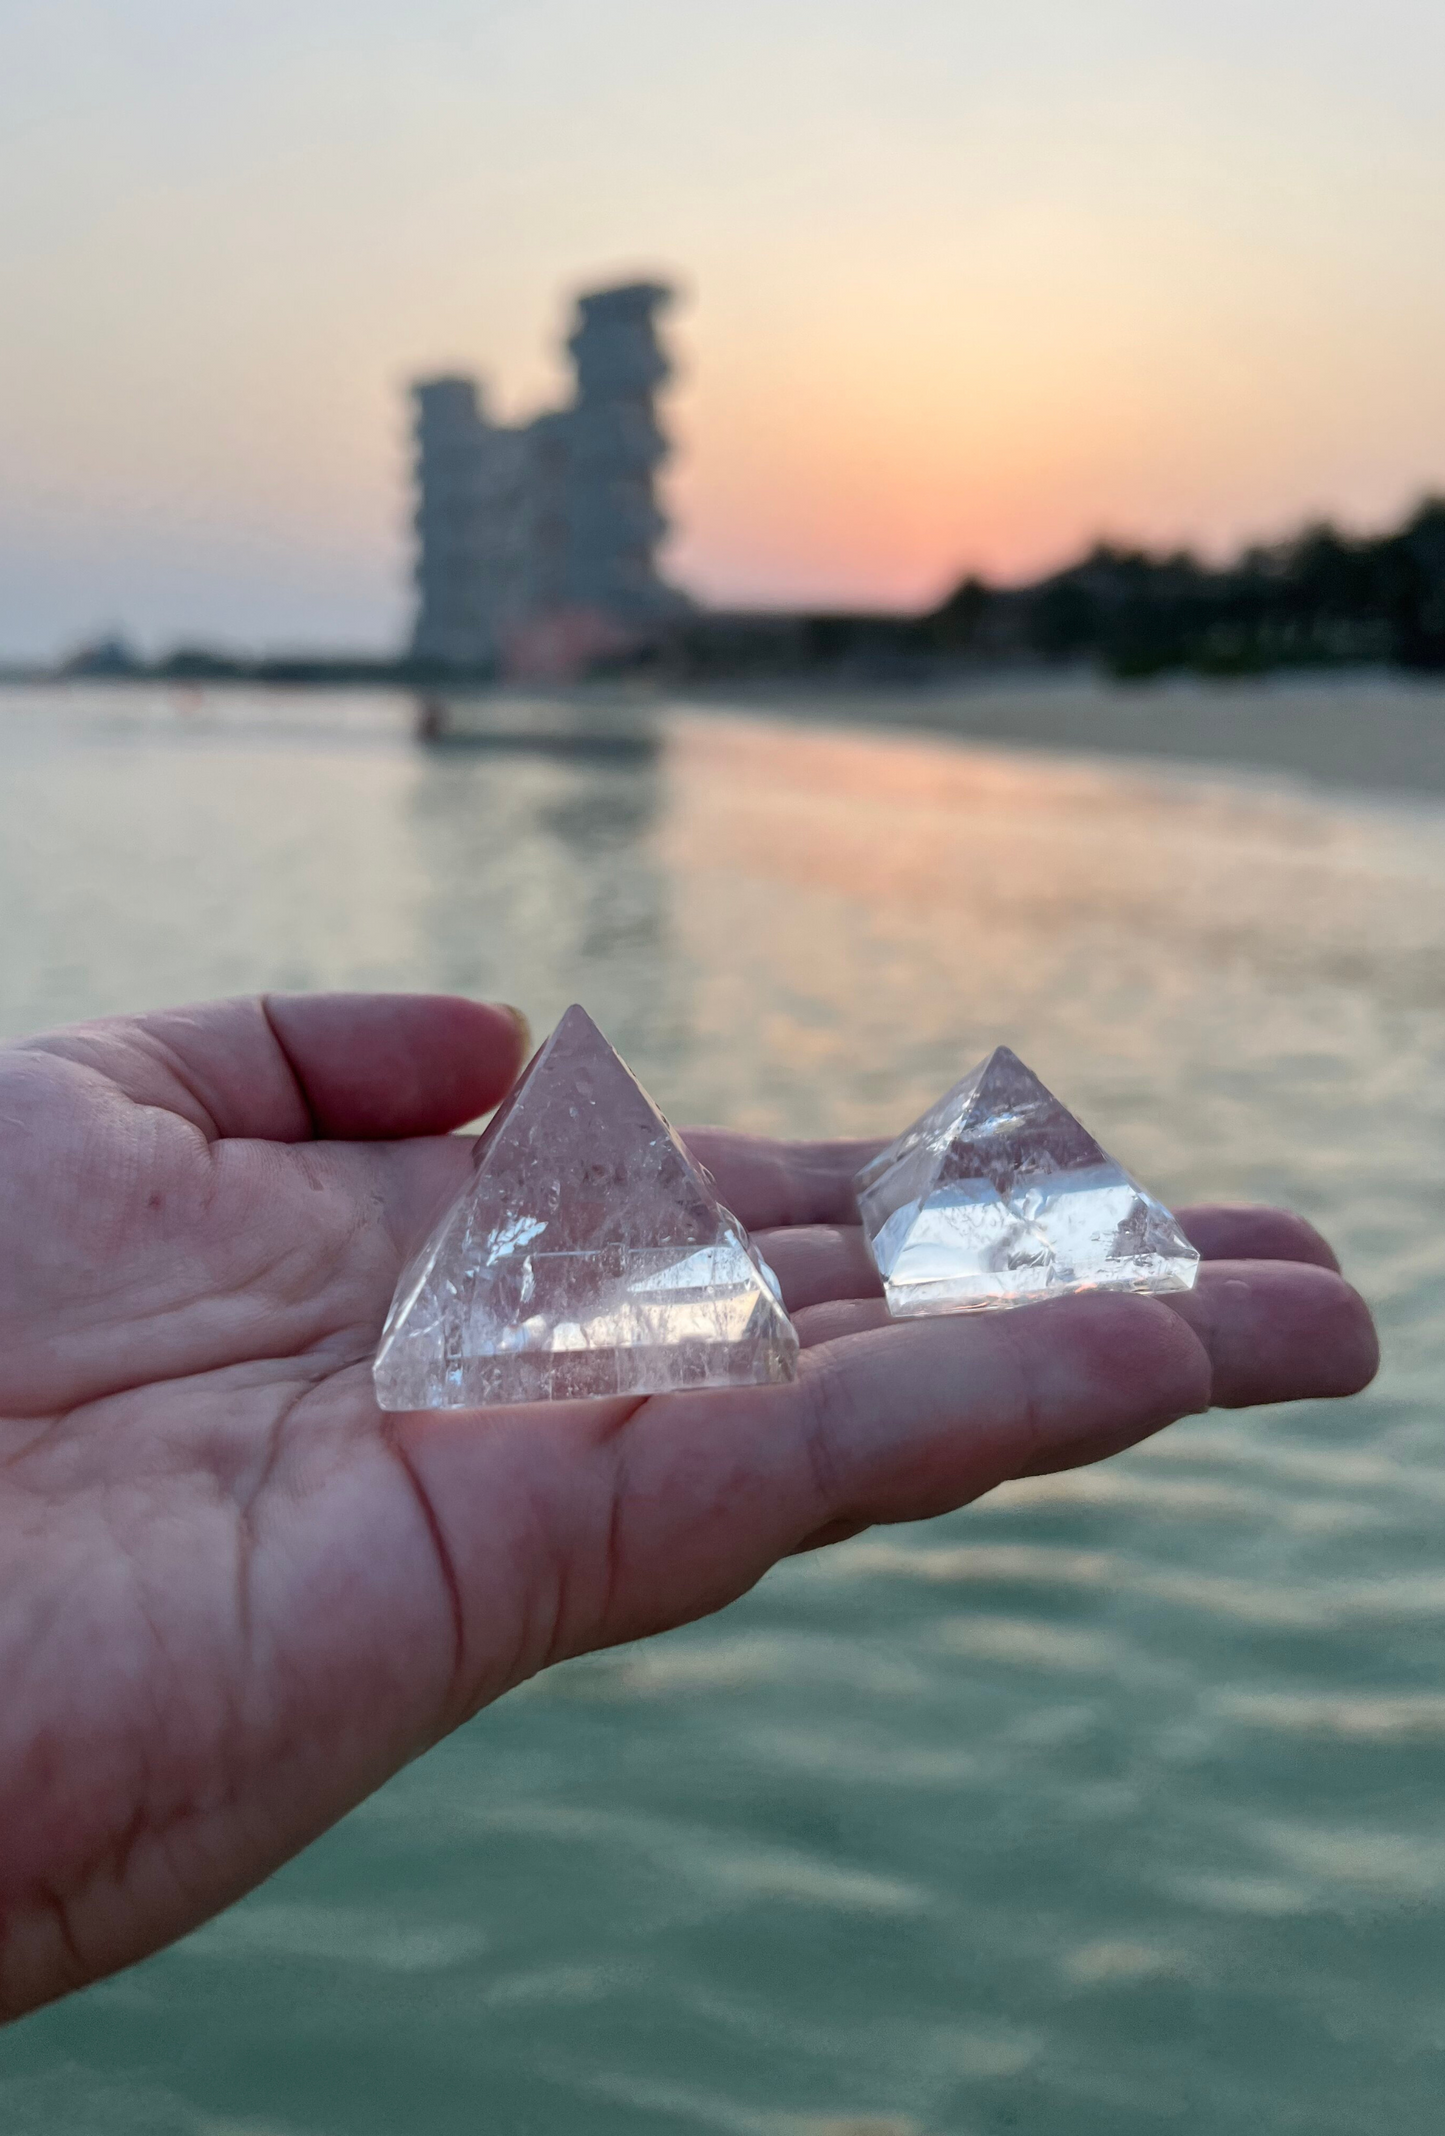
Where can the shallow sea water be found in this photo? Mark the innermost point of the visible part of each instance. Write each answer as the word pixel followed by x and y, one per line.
pixel 1112 1804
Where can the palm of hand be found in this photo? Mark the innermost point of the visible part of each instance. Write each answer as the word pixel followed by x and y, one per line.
pixel 238 1597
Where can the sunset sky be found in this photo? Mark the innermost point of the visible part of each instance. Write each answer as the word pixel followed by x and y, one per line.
pixel 967 285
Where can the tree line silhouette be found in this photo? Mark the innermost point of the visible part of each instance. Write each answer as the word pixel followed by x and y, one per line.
pixel 1320 599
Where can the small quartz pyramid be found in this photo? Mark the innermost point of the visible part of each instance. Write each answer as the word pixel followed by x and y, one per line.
pixel 587 1255
pixel 998 1197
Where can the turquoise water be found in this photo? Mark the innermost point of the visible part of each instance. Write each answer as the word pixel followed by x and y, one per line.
pixel 1112 1804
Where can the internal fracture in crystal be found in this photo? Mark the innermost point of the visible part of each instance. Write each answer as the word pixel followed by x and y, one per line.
pixel 587 1255
pixel 997 1196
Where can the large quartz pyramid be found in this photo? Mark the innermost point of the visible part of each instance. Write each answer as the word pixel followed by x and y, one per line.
pixel 997 1196
pixel 587 1255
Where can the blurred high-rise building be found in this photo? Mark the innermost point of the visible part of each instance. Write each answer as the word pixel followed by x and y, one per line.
pixel 537 543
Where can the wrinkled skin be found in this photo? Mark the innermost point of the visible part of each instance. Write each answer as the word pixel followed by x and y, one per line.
pixel 234 1596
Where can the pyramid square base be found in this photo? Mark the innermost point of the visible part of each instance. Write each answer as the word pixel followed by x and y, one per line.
pixel 580 1375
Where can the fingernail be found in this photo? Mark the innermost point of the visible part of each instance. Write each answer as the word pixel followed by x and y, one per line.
pixel 524 1029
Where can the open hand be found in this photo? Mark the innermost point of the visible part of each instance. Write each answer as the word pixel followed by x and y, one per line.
pixel 235 1597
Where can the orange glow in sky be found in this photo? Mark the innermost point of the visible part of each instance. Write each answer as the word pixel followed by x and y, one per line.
pixel 966 287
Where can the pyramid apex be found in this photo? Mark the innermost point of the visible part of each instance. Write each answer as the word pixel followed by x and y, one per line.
pixel 575 1030
pixel 1004 1072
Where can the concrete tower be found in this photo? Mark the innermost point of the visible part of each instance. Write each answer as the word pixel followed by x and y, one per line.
pixel 469 475
pixel 548 532
pixel 615 447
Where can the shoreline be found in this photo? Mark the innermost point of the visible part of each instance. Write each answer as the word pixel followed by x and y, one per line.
pixel 1367 732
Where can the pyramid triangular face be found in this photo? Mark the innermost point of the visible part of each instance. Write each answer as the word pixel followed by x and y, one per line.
pixel 997 1196
pixel 587 1255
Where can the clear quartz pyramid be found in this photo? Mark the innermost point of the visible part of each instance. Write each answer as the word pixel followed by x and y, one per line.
pixel 997 1196
pixel 587 1255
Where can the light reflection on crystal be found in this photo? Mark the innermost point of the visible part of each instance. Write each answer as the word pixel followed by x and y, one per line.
pixel 997 1196
pixel 587 1256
